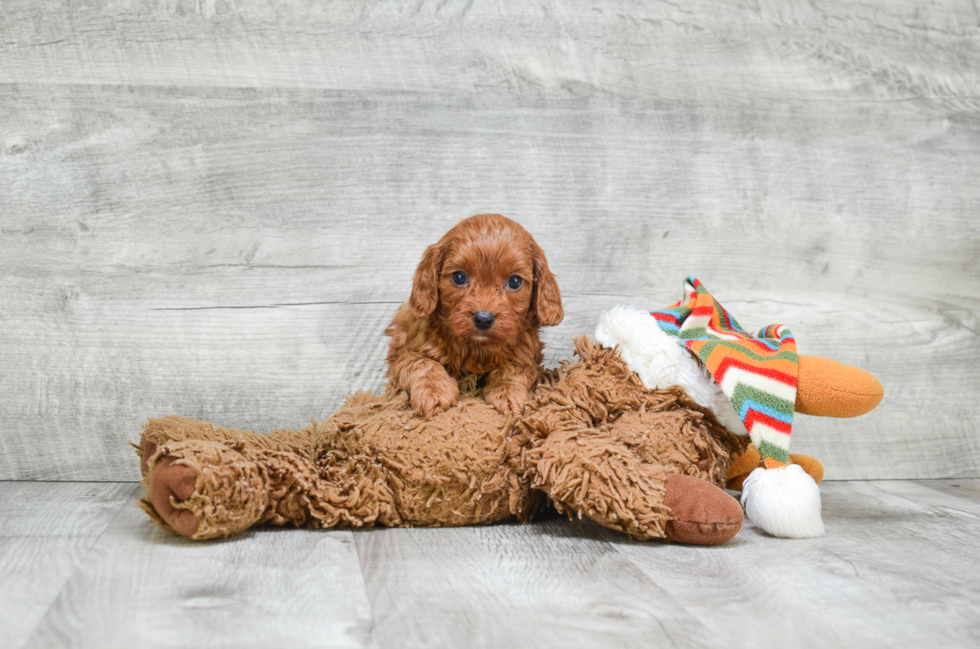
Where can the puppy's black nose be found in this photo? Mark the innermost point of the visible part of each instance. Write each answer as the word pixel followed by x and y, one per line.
pixel 483 320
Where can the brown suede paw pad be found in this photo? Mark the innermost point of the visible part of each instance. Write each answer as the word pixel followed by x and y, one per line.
pixel 701 513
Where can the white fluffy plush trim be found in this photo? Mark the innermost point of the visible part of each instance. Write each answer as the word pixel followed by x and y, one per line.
pixel 661 360
pixel 784 502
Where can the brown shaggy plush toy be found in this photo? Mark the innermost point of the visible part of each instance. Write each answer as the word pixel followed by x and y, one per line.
pixel 593 442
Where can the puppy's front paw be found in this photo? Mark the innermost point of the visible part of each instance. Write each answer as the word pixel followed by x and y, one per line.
pixel 507 398
pixel 434 395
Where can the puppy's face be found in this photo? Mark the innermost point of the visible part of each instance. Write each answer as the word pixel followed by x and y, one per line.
pixel 485 287
pixel 488 280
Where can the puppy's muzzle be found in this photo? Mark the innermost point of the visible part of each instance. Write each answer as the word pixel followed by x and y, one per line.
pixel 483 320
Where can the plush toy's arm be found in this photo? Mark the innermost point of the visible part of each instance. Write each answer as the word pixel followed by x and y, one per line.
pixel 827 388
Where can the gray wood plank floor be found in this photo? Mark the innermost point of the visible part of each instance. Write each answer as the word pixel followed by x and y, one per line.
pixel 81 566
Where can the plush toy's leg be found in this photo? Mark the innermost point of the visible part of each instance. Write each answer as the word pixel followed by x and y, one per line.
pixel 830 389
pixel 585 471
pixel 742 465
pixel 203 490
pixel 177 429
pixel 232 480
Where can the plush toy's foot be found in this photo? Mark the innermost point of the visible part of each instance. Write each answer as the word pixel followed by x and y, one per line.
pixel 750 460
pixel 202 489
pixel 173 484
pixel 701 513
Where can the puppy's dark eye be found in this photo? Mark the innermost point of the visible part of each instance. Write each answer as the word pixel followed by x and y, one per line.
pixel 515 282
pixel 459 278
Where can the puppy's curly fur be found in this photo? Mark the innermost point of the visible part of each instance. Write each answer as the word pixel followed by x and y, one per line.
pixel 435 339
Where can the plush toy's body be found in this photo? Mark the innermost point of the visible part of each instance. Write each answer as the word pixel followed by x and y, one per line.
pixel 639 435
pixel 594 440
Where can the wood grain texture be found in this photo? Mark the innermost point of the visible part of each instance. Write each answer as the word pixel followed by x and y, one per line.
pixel 547 584
pixel 45 531
pixel 965 489
pixel 214 209
pixel 696 51
pixel 897 568
pixel 140 586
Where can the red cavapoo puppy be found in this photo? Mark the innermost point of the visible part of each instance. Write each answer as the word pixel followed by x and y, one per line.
pixel 479 296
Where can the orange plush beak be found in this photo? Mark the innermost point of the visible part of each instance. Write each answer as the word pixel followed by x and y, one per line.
pixel 830 389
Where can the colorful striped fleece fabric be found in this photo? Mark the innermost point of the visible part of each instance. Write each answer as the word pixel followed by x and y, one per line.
pixel 758 373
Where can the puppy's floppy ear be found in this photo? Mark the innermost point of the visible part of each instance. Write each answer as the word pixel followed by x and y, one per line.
pixel 425 284
pixel 546 299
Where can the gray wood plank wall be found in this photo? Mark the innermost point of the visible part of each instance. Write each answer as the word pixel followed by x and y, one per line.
pixel 214 208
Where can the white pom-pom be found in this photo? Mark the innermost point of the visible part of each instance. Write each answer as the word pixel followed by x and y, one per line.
pixel 784 502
